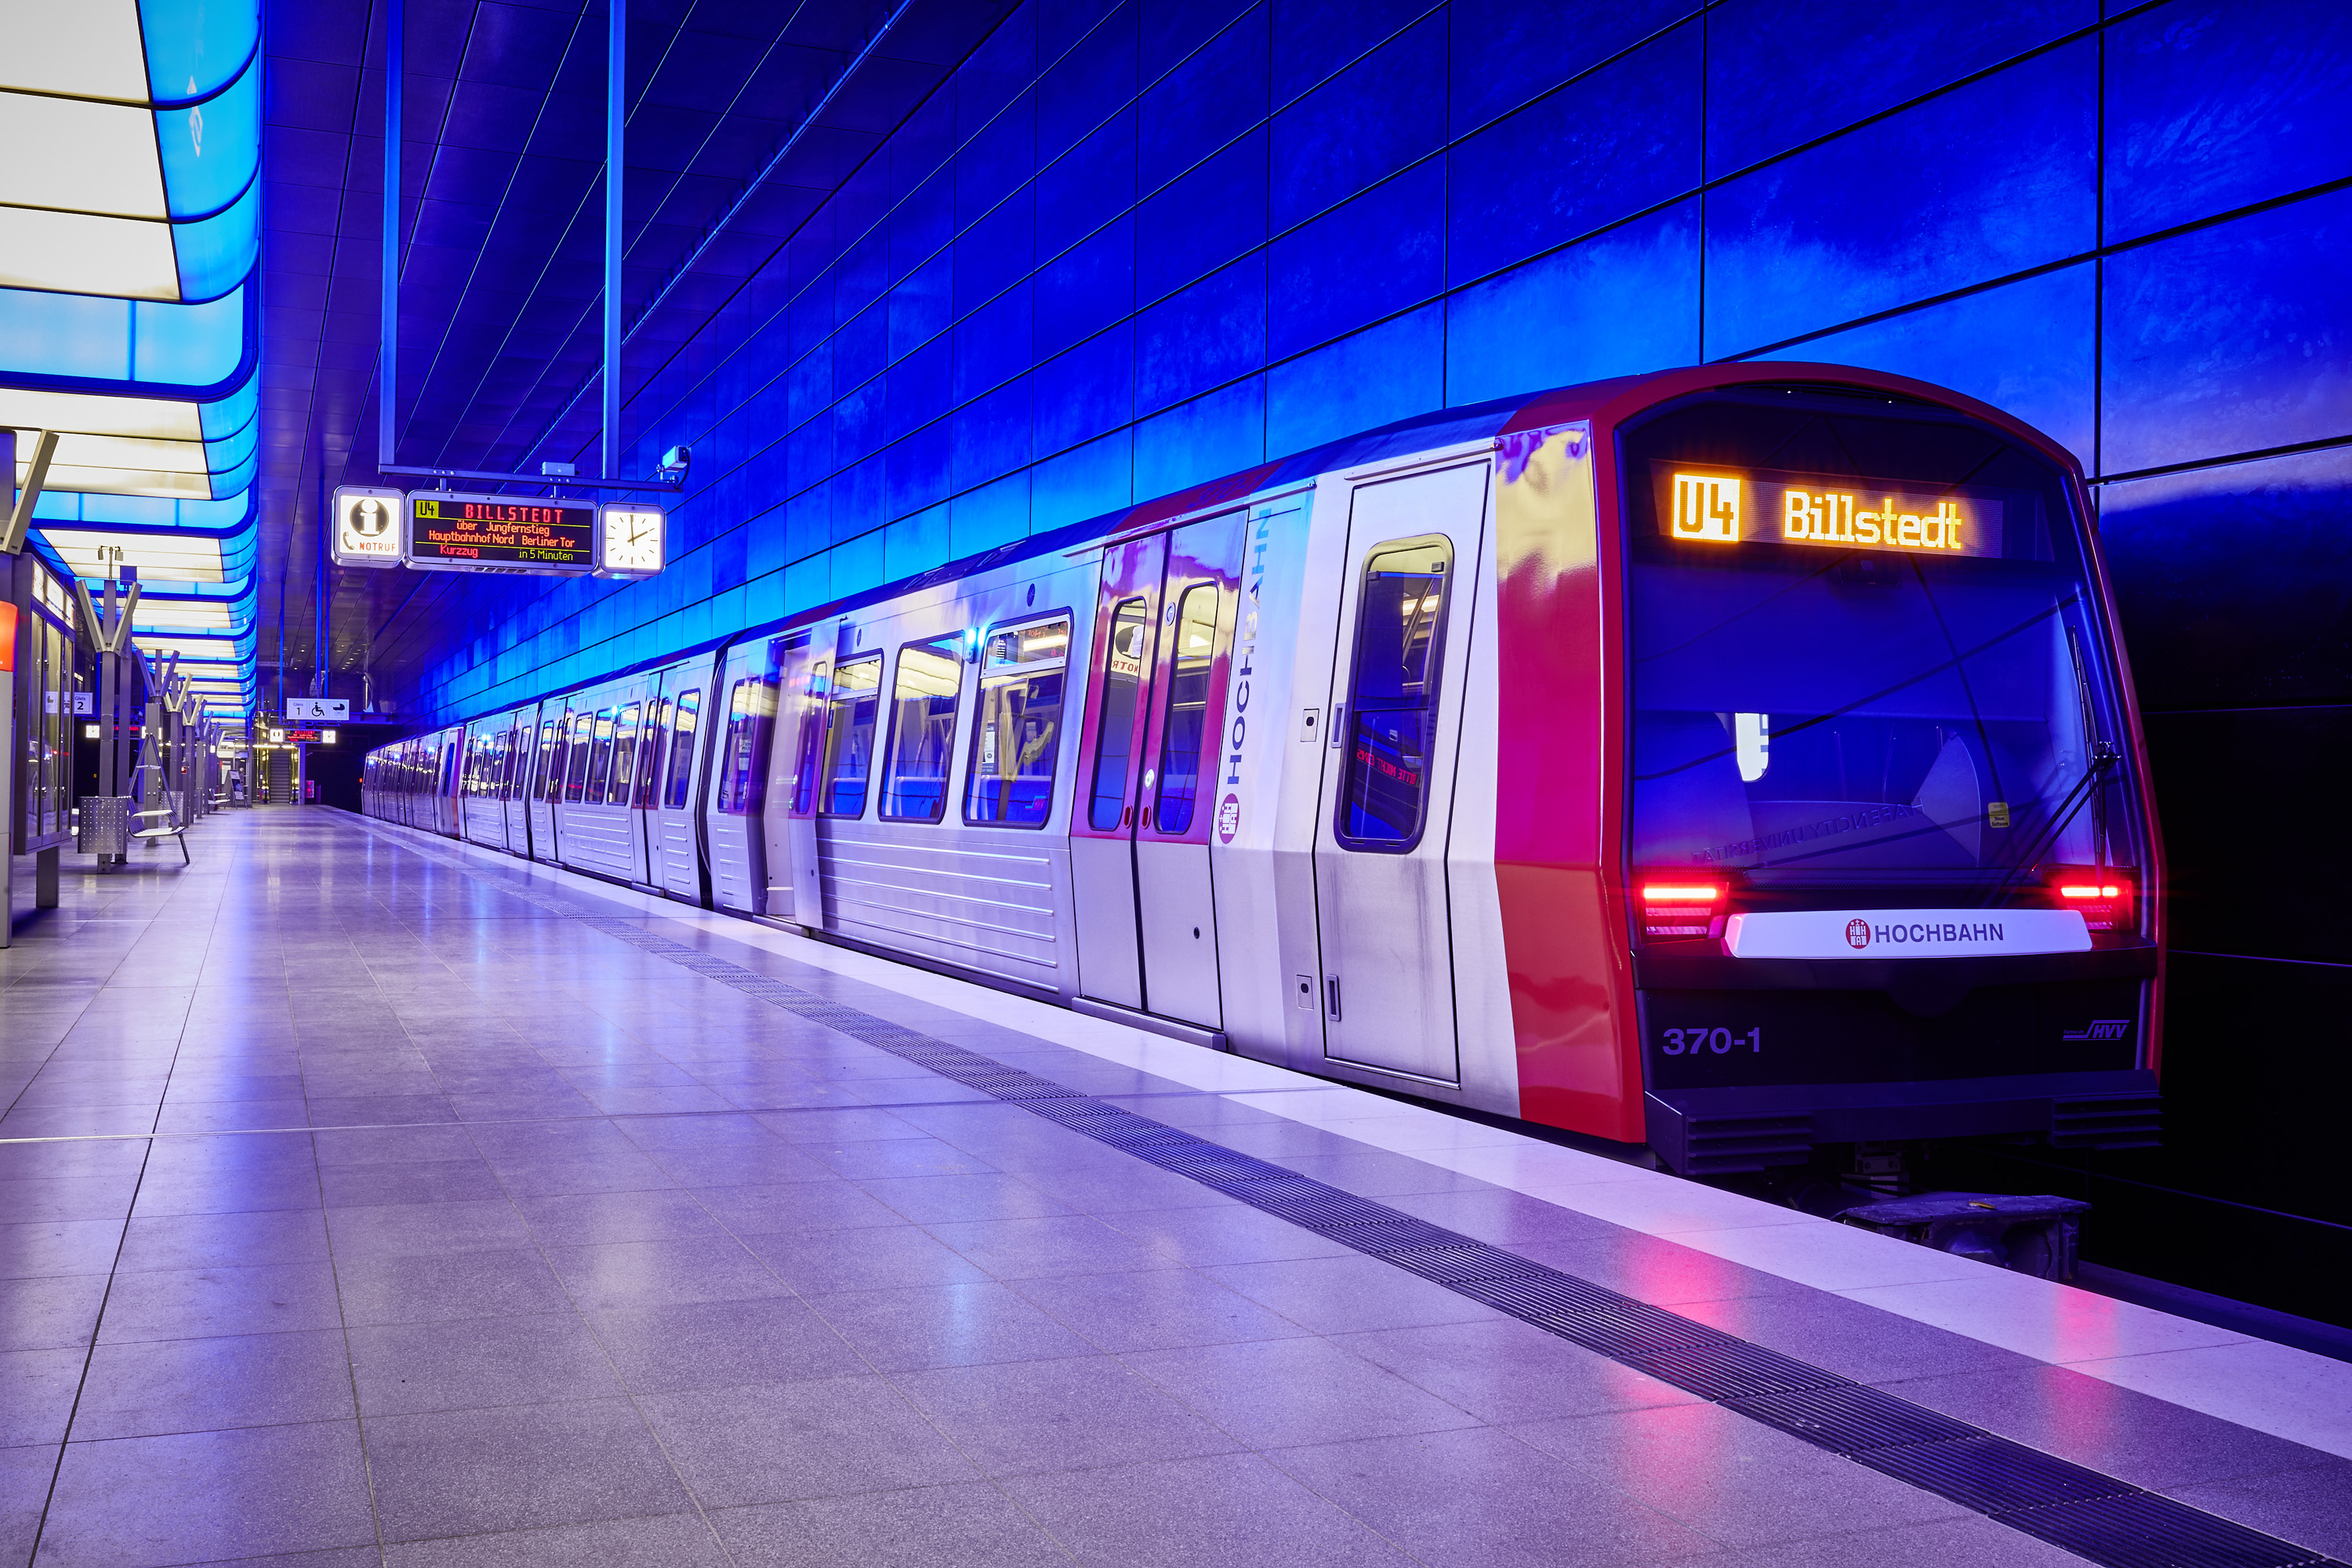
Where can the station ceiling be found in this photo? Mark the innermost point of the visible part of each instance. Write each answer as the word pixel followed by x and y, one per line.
pixel 742 117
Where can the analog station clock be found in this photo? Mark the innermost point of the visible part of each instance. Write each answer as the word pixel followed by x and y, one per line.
pixel 632 539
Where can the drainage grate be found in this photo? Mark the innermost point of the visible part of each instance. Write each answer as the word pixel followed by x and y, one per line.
pixel 2094 1516
pixel 2141 1529
pixel 1992 1475
pixel 1847 1419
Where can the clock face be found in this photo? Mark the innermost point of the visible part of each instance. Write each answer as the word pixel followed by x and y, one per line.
pixel 633 540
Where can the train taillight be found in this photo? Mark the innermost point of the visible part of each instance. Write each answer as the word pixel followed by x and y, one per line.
pixel 2103 897
pixel 1683 907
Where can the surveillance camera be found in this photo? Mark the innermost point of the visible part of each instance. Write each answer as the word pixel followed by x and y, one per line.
pixel 675 463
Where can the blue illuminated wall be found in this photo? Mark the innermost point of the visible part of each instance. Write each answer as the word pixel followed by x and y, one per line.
pixel 1129 246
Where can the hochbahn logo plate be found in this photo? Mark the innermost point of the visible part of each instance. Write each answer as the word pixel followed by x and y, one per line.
pixel 1905 933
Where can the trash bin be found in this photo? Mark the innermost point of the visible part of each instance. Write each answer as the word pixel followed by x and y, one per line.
pixel 104 827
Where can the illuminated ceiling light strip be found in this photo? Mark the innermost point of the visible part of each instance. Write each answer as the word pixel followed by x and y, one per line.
pixel 90 48
pixel 84 414
pixel 132 344
pixel 76 253
pixel 94 158
pixel 162 485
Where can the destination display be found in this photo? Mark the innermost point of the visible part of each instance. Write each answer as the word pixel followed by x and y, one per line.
pixel 453 532
pixel 1822 510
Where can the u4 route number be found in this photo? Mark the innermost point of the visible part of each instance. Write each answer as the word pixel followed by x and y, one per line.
pixel 1722 1042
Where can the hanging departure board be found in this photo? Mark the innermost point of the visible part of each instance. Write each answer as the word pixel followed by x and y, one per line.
pixel 453 532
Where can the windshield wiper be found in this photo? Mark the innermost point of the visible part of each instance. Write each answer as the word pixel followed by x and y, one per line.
pixel 2103 758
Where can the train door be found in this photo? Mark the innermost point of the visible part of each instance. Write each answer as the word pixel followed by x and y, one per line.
pixel 444 814
pixel 1140 846
pixel 806 695
pixel 1102 830
pixel 514 795
pixel 671 819
pixel 738 847
pixel 628 754
pixel 659 691
pixel 476 802
pixel 1388 775
pixel 547 785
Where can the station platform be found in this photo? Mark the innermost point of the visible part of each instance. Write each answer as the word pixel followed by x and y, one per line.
pixel 366 1197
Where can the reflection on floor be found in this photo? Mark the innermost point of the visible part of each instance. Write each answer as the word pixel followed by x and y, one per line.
pixel 354 1203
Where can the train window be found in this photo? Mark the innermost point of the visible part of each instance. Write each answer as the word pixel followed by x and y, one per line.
pixel 650 760
pixel 1022 672
pixel 624 757
pixel 849 735
pixel 681 751
pixel 551 757
pixel 1130 648
pixel 1188 708
pixel 1391 715
pixel 600 757
pixel 575 777
pixel 922 730
pixel 518 761
pixel 751 713
pixel 812 742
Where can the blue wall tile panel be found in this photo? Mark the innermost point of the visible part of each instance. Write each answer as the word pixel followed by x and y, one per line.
pixel 1909 207
pixel 1616 141
pixel 2214 107
pixel 1783 72
pixel 2230 339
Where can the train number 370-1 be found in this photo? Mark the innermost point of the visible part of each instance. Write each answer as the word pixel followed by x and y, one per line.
pixel 1690 1042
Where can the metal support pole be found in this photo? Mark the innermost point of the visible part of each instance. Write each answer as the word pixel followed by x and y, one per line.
pixel 396 56
pixel 107 720
pixel 8 806
pixel 616 62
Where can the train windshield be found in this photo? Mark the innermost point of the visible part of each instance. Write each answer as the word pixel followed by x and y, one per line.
pixel 1865 652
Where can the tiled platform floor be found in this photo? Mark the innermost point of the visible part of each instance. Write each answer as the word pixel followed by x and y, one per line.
pixel 352 1209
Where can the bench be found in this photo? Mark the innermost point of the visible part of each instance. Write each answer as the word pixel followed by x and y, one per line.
pixel 164 829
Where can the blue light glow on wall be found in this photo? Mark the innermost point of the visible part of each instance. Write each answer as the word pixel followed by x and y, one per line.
pixel 1129 248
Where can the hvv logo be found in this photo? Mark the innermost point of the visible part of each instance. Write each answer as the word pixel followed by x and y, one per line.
pixel 2100 1030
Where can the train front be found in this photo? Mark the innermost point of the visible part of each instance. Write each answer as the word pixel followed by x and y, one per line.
pixel 1888 847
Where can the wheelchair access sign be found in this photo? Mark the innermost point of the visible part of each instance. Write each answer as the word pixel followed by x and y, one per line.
pixel 317 710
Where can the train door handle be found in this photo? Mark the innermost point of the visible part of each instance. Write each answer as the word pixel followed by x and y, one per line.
pixel 1331 997
pixel 1338 711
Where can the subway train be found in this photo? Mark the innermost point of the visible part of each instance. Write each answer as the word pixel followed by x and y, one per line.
pixel 1739 760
